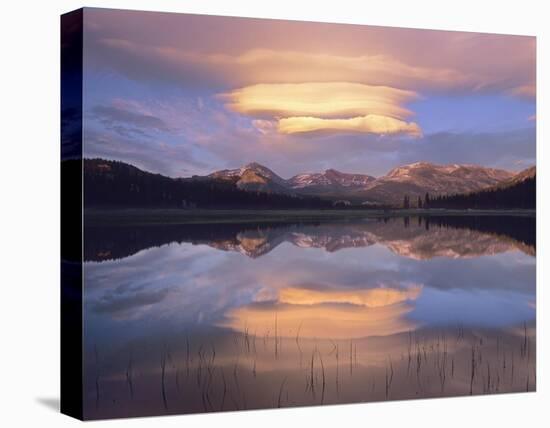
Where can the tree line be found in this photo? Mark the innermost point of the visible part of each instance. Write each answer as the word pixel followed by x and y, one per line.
pixel 520 195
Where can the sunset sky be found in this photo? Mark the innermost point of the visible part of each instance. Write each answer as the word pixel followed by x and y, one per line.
pixel 188 94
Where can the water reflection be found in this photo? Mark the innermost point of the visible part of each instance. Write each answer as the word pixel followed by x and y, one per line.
pixel 215 317
pixel 420 238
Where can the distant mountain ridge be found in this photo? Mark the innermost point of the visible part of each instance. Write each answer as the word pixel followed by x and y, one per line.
pixel 115 183
pixel 331 179
pixel 414 180
pixel 526 174
pixel 417 179
pixel 253 177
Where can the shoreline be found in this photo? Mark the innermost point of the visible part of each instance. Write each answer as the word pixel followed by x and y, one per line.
pixel 137 216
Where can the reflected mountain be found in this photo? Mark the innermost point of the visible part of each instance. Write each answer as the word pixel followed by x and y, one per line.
pixel 416 238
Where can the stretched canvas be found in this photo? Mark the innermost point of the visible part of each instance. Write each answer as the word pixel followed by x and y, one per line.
pixel 263 213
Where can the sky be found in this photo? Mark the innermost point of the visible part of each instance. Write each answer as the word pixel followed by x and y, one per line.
pixel 184 94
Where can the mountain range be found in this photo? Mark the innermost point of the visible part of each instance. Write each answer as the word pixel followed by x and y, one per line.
pixel 254 186
pixel 414 180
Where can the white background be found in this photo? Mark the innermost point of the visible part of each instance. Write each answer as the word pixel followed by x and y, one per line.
pixel 29 202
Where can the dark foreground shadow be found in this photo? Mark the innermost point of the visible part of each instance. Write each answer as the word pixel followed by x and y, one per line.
pixel 51 403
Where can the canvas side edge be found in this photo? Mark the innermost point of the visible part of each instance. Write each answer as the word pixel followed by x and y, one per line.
pixel 71 214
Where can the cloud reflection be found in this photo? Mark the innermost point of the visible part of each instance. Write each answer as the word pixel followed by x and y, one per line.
pixel 335 321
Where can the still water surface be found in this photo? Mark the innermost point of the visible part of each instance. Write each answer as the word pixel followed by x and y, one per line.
pixel 199 318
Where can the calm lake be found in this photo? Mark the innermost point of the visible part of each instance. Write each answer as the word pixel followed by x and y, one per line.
pixel 218 317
